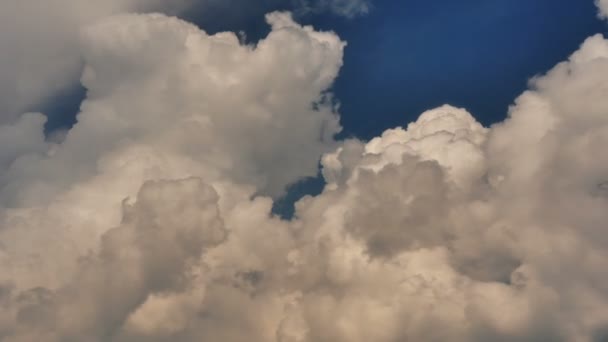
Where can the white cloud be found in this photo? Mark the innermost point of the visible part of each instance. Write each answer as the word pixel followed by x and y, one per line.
pixel 444 230
pixel 39 41
pixel 238 110
pixel 180 105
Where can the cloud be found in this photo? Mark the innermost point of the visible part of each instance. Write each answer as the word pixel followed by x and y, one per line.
pixel 39 43
pixel 507 220
pixel 184 104
pixel 603 7
pixel 149 220
pixel 41 56
pixel 148 257
pixel 207 99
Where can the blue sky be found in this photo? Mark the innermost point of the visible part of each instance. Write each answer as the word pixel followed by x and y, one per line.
pixel 405 57
pixel 409 56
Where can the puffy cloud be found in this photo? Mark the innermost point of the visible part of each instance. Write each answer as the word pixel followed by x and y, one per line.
pixel 448 230
pixel 179 105
pixel 40 45
pixel 40 41
pixel 443 230
pixel 603 6
pixel 162 233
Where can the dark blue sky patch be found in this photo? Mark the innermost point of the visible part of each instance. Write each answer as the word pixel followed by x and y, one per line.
pixel 61 110
pixel 284 207
pixel 410 56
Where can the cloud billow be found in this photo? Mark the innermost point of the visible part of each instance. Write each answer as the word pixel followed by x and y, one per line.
pixel 39 41
pixel 603 6
pixel 151 219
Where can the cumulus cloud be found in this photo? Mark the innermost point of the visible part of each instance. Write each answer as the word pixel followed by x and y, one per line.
pixel 603 6
pixel 166 101
pixel 40 56
pixel 148 220
pixel 39 41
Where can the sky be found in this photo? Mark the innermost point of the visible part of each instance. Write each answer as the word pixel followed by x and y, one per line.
pixel 303 170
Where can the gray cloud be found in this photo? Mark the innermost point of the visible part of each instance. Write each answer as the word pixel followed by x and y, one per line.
pixel 39 43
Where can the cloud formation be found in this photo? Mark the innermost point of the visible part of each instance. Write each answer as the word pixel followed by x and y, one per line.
pixel 145 221
pixel 603 6
pixel 40 41
pixel 179 105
